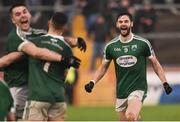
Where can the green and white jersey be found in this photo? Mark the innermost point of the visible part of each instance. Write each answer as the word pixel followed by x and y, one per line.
pixel 130 63
pixel 46 79
pixel 6 100
pixel 17 73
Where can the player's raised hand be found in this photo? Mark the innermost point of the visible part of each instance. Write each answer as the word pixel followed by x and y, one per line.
pixel 88 87
pixel 167 88
pixel 72 61
pixel 81 43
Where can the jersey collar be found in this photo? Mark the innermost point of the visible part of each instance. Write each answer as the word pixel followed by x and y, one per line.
pixel 55 36
pixel 128 40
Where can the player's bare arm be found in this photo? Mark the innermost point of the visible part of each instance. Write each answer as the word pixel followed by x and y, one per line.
pixel 76 42
pixel 6 60
pixel 97 76
pixel 40 53
pixel 160 72
pixel 158 68
pixel 48 55
pixel 11 116
pixel 101 71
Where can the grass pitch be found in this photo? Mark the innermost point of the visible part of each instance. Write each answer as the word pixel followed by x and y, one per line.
pixel 107 113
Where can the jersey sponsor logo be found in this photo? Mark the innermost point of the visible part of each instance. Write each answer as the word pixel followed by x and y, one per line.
pixel 126 61
pixel 117 49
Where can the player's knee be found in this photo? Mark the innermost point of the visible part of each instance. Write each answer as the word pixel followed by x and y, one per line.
pixel 130 116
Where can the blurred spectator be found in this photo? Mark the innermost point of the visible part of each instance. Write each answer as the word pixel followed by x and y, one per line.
pixel 11 2
pixel 123 5
pixel 65 6
pixel 158 1
pixel 99 30
pixel 90 12
pixel 46 14
pixel 136 2
pixel 131 9
pixel 79 5
pixel 147 19
pixel 35 14
pixel 170 4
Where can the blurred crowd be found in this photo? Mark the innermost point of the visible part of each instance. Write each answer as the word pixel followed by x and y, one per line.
pixel 100 16
pixel 144 18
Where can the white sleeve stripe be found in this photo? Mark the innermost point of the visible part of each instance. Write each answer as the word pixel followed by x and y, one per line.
pixel 21 45
pixel 147 42
pixel 20 36
pixel 106 60
pixel 151 56
pixel 111 42
pixel 12 110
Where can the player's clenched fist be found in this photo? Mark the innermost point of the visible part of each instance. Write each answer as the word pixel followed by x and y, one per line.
pixel 71 61
pixel 167 88
pixel 89 86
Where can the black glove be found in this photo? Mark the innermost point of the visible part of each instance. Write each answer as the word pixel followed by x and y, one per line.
pixel 167 88
pixel 88 87
pixel 81 44
pixel 71 61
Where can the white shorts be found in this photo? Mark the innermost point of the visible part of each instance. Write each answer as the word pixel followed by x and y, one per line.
pixel 122 104
pixel 41 111
pixel 19 95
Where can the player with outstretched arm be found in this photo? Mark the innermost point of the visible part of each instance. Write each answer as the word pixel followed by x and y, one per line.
pixel 129 53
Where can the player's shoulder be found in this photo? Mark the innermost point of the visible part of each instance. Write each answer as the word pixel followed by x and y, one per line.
pixel 141 39
pixel 3 84
pixel 113 41
pixel 38 31
pixel 16 33
pixel 57 39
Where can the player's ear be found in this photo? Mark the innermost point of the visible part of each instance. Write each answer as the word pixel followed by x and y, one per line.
pixel 117 24
pixel 13 21
pixel 49 23
pixel 132 24
pixel 65 28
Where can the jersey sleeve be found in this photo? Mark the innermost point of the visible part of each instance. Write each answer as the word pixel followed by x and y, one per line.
pixel 107 56
pixel 15 41
pixel 149 52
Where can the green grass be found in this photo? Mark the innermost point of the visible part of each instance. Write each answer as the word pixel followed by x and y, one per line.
pixel 102 113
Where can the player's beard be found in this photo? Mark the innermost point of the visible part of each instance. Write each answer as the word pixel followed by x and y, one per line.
pixel 125 34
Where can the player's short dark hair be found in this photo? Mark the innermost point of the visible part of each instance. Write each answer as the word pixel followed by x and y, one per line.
pixel 125 13
pixel 16 5
pixel 59 19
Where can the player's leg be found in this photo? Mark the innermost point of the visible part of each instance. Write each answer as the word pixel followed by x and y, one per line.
pixel 121 106
pixel 57 112
pixel 134 105
pixel 122 116
pixel 36 111
pixel 19 95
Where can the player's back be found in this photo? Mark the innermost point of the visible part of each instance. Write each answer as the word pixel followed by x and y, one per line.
pixel 46 79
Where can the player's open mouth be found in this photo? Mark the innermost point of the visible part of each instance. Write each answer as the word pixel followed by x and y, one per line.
pixel 124 28
pixel 24 22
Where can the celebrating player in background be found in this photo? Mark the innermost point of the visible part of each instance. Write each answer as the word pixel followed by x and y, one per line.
pixel 16 73
pixel 129 53
pixel 46 95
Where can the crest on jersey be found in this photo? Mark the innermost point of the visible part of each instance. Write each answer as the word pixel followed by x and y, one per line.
pixel 134 47
pixel 126 61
